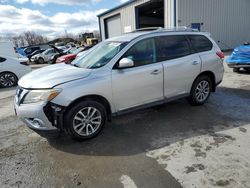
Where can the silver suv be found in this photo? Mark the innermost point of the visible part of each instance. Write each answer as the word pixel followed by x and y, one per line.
pixel 121 74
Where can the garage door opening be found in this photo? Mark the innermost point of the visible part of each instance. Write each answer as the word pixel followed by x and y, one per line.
pixel 150 14
pixel 113 26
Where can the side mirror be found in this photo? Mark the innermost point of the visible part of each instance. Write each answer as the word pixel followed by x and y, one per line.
pixel 125 63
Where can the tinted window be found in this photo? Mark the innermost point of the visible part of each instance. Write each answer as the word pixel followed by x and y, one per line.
pixel 2 59
pixel 200 43
pixel 142 53
pixel 171 47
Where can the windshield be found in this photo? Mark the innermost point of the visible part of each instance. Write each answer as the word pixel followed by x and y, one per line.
pixel 100 55
pixel 47 51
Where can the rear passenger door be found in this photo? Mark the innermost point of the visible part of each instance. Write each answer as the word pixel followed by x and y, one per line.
pixel 180 63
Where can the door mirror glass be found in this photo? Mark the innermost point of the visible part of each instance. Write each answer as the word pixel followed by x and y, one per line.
pixel 126 63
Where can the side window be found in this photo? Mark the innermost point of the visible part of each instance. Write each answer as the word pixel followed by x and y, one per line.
pixel 171 47
pixel 2 59
pixel 28 51
pixel 142 53
pixel 200 43
pixel 49 52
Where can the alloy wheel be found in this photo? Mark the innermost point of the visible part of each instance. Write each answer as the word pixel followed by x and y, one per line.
pixel 87 121
pixel 7 80
pixel 202 91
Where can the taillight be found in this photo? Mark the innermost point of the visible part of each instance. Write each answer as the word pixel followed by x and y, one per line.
pixel 220 55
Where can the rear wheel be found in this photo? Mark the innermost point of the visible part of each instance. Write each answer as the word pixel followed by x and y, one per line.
pixel 200 91
pixel 247 69
pixel 86 120
pixel 236 69
pixel 8 79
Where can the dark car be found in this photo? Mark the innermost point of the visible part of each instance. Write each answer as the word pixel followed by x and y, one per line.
pixel 30 50
pixel 35 52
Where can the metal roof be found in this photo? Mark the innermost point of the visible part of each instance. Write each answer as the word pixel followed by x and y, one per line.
pixel 116 8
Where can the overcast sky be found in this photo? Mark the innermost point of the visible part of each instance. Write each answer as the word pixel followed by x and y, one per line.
pixel 51 17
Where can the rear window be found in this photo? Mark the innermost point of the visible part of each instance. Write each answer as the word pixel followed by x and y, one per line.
pixel 200 43
pixel 171 47
pixel 2 59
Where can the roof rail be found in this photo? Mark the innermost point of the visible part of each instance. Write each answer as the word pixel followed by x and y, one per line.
pixel 147 29
pixel 160 29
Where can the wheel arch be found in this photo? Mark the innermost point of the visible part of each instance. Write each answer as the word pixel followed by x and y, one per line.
pixel 17 78
pixel 11 73
pixel 97 98
pixel 211 75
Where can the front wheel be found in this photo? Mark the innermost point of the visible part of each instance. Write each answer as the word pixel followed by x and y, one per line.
pixel 200 91
pixel 8 79
pixel 40 60
pixel 236 69
pixel 85 120
pixel 247 69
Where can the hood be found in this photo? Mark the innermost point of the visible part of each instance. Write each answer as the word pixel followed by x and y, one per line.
pixel 53 75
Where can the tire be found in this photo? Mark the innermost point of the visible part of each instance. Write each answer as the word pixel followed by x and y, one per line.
pixel 82 128
pixel 201 90
pixel 247 69
pixel 8 79
pixel 236 69
pixel 40 60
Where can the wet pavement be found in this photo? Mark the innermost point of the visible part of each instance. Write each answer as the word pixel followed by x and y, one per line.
pixel 172 145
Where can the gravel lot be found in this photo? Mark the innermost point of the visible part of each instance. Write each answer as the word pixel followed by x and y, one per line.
pixel 173 145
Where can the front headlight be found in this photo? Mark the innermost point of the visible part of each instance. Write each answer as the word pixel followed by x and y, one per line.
pixel 35 96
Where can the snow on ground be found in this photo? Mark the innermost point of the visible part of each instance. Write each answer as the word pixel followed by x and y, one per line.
pixel 216 159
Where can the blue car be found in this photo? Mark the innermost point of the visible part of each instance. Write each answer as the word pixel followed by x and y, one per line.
pixel 240 58
pixel 20 51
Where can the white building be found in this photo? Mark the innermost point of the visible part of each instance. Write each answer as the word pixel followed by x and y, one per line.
pixel 227 20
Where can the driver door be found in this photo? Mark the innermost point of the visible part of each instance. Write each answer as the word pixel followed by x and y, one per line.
pixel 141 84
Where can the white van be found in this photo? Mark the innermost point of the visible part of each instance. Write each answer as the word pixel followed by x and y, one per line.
pixel 8 49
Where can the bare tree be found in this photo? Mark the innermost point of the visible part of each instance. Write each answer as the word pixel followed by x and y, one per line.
pixel 32 38
pixel 28 38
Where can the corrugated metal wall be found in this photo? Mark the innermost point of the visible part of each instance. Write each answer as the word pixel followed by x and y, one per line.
pixel 227 20
pixel 128 16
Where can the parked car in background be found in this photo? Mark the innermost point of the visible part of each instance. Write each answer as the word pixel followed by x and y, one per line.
pixel 21 51
pixel 121 74
pixel 35 53
pixel 23 59
pixel 240 58
pixel 8 49
pixel 12 69
pixel 45 56
pixel 70 56
pixel 30 50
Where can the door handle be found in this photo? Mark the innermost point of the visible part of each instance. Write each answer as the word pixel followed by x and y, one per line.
pixel 195 63
pixel 155 72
